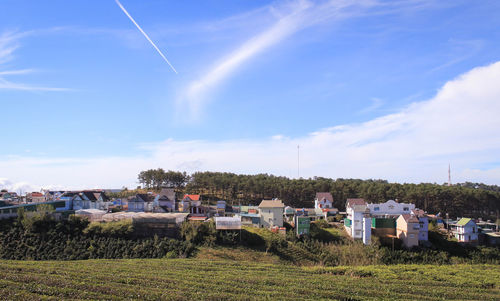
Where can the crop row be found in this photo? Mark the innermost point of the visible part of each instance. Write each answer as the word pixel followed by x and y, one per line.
pixel 195 279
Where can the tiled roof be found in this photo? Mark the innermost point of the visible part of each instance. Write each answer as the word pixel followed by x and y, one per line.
pixel 193 197
pixel 271 204
pixel 143 197
pixel 410 218
pixel 352 202
pixel 324 195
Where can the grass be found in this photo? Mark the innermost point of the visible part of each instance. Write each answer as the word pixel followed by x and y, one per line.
pixel 195 279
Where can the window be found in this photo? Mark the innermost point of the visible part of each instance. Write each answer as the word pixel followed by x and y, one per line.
pixel 376 209
pixel 405 209
pixel 412 235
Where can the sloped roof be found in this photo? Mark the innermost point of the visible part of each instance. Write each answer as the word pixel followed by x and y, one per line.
pixel 90 195
pixel 192 197
pixel 409 218
pixel 324 195
pixel 352 202
pixel 271 204
pixel 142 197
pixel 169 193
pixel 418 212
pixel 464 221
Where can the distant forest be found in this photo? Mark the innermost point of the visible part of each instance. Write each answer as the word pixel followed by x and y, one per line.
pixel 465 199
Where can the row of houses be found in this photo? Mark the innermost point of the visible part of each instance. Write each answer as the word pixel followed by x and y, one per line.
pixel 389 219
pixel 407 223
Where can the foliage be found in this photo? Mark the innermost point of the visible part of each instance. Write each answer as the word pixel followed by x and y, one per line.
pixel 120 229
pixel 191 279
pixel 202 233
pixel 157 178
pixel 457 200
pixel 42 238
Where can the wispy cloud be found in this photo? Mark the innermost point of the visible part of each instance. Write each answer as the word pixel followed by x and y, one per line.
pixel 458 125
pixel 9 43
pixel 291 18
pixel 376 104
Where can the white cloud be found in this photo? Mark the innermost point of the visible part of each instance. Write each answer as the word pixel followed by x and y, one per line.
pixel 9 42
pixel 459 126
pixel 291 17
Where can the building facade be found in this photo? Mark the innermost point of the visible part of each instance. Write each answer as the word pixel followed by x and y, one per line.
pixel 407 229
pixel 271 213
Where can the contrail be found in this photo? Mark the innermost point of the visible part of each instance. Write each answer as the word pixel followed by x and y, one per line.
pixel 147 37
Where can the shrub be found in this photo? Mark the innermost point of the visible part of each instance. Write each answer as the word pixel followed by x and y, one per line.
pixel 119 229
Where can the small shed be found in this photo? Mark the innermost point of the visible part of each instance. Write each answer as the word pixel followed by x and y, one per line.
pixel 93 215
pixel 228 223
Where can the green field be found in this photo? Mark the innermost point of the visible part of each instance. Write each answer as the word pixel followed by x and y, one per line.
pixel 196 279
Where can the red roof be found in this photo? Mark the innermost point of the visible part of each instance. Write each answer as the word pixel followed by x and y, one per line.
pixel 352 202
pixel 193 197
pixel 37 194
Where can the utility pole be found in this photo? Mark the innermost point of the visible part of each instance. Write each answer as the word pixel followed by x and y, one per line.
pixel 298 161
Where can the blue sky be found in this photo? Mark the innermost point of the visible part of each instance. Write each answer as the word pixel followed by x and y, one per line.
pixel 80 85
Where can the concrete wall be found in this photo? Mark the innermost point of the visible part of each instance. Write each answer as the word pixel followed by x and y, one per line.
pixel 270 217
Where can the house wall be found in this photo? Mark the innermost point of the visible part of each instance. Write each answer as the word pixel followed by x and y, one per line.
pixel 408 232
pixel 270 217
pixel 136 206
pixel 467 233
pixel 356 215
pixel 367 230
pixel 322 204
pixel 390 208
pixel 423 234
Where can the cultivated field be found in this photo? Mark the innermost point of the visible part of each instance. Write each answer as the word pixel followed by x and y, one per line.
pixel 194 279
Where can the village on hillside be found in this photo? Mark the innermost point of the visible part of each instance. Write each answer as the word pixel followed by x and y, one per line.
pixel 163 213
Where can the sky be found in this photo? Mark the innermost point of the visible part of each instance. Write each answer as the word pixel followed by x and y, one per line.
pixel 370 89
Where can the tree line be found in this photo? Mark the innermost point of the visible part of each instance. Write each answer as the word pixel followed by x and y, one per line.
pixel 157 178
pixel 467 199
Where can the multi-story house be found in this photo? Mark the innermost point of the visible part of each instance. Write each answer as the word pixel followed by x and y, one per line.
pixel 466 231
pixel 407 229
pixel 323 200
pixel 423 220
pixel 358 221
pixel 271 213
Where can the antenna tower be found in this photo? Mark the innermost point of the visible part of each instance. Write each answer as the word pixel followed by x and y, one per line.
pixel 449 175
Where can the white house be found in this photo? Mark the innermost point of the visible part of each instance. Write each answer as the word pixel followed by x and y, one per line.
pixel 466 231
pixel 271 213
pixel 390 208
pixel 323 200
pixel 358 222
